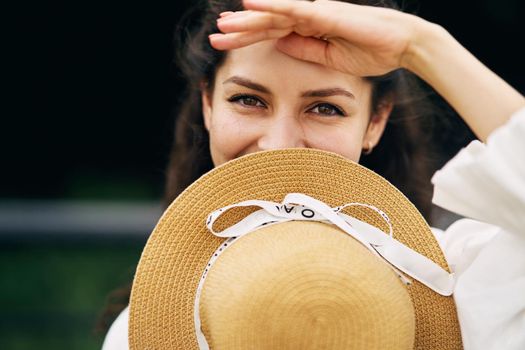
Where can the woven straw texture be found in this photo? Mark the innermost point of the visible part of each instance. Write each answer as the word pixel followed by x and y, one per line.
pixel 304 285
pixel 161 306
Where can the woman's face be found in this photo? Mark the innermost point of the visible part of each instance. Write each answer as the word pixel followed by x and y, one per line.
pixel 263 100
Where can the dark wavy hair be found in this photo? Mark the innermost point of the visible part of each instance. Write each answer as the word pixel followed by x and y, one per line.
pixel 402 156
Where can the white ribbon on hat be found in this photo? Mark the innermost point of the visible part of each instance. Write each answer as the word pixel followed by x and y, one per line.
pixel 298 206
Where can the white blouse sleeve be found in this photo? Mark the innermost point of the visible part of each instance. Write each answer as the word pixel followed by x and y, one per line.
pixel 486 182
pixel 117 337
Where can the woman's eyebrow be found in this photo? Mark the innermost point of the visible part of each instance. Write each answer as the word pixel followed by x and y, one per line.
pixel 310 93
pixel 247 83
pixel 328 92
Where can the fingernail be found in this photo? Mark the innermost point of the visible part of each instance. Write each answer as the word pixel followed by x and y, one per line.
pixel 226 13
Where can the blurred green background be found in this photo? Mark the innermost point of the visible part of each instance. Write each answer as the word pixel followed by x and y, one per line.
pixel 86 131
pixel 52 292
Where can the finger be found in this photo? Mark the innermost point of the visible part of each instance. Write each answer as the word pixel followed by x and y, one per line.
pixel 226 13
pixel 294 8
pixel 233 14
pixel 310 18
pixel 304 48
pixel 236 40
pixel 254 21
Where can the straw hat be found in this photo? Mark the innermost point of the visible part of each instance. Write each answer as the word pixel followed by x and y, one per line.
pixel 290 285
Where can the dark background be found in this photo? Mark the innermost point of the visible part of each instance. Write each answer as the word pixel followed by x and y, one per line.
pixel 86 116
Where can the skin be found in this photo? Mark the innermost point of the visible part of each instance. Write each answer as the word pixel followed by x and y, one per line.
pixel 296 104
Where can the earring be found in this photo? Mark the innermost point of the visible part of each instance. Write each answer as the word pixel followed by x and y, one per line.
pixel 368 150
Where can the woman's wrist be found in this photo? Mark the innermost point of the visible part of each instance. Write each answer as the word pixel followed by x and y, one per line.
pixel 426 40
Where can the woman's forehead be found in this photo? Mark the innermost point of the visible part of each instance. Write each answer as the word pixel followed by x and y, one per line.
pixel 263 62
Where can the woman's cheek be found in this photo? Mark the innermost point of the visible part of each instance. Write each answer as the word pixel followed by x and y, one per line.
pixel 344 140
pixel 230 136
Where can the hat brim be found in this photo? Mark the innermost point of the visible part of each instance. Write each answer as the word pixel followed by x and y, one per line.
pixel 163 293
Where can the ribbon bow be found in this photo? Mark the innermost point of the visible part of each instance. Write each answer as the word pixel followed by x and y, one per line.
pixel 298 206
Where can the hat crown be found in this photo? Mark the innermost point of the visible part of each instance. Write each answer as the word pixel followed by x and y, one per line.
pixel 304 285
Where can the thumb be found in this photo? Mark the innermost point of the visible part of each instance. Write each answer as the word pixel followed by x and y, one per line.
pixel 304 48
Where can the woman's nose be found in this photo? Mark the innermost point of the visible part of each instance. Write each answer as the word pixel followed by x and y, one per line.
pixel 282 132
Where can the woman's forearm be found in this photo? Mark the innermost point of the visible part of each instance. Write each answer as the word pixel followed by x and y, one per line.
pixel 484 100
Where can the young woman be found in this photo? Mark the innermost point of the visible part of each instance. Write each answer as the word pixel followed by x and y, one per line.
pixel 339 76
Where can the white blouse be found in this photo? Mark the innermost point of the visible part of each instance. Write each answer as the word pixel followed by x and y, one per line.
pixel 486 184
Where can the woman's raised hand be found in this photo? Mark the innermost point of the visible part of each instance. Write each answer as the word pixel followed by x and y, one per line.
pixel 355 39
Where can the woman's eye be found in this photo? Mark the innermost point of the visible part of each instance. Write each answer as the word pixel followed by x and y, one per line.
pixel 327 109
pixel 247 100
